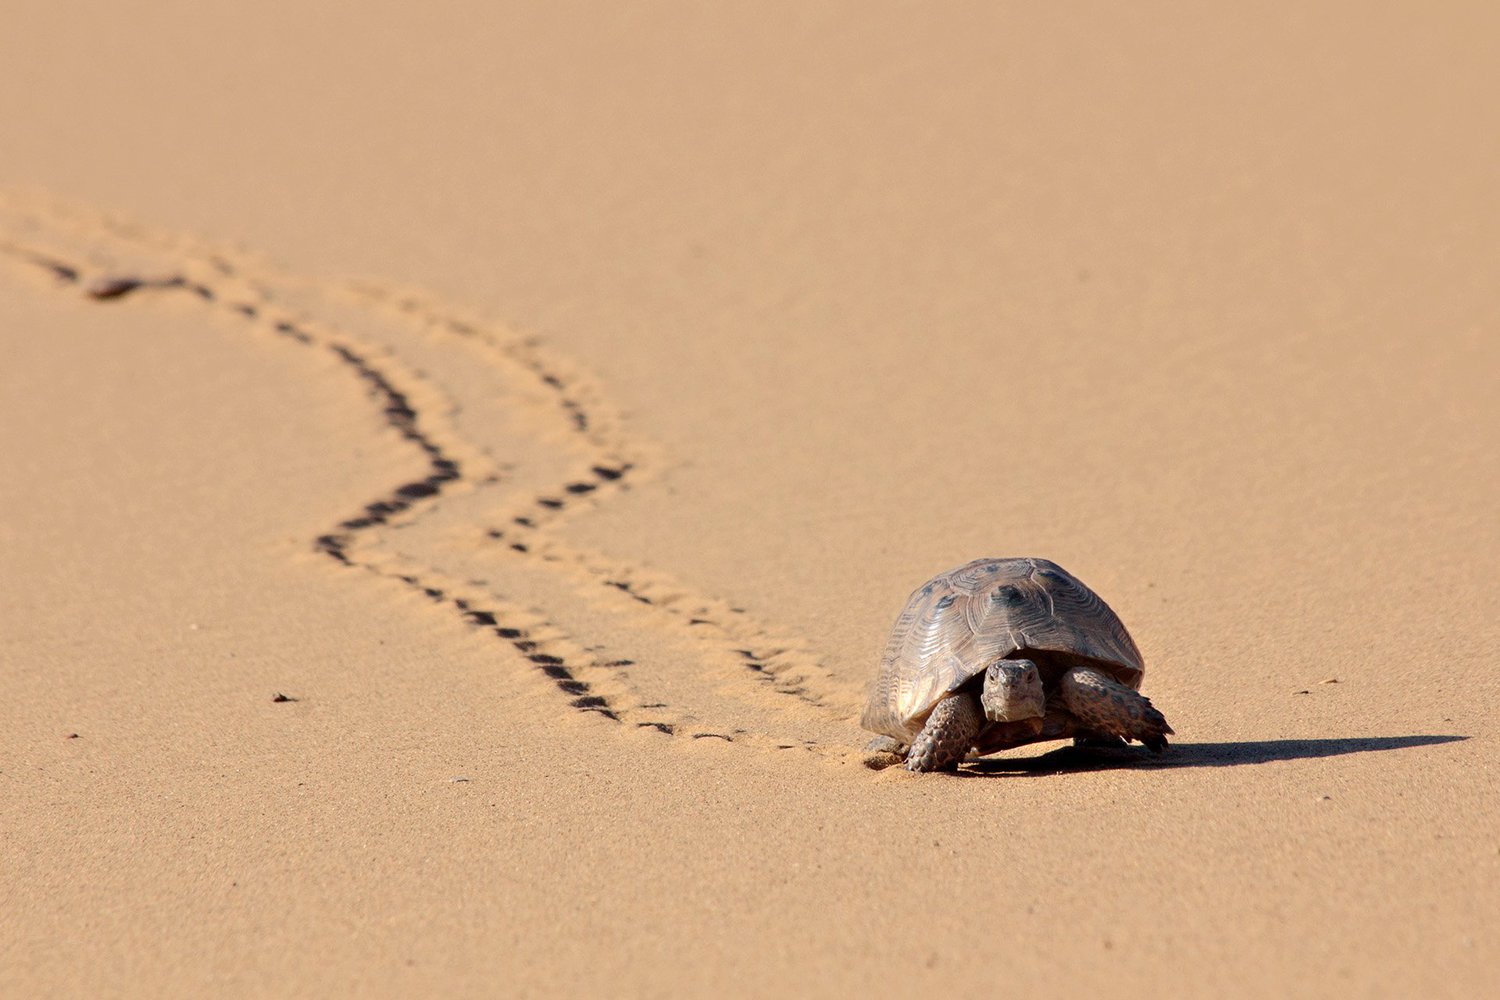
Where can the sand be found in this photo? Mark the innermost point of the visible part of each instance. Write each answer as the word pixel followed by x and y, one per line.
pixel 453 563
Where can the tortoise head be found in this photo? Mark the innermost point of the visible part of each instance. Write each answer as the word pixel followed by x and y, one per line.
pixel 1013 691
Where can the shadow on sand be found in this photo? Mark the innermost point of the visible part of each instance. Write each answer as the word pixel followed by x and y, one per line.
pixel 1074 759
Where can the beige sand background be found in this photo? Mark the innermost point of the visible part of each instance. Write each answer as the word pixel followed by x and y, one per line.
pixel 1198 302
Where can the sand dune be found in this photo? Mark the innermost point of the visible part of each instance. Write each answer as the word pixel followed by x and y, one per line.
pixel 360 639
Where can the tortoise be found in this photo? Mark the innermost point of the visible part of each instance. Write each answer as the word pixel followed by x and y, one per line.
pixel 999 653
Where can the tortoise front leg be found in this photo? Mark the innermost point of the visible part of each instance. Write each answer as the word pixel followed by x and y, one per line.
pixel 1105 707
pixel 948 735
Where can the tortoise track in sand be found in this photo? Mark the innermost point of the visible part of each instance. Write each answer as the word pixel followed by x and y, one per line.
pixel 506 515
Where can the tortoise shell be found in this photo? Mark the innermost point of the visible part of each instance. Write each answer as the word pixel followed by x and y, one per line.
pixel 959 622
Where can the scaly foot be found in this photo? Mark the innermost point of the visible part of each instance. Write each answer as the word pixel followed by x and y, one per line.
pixel 1105 707
pixel 948 735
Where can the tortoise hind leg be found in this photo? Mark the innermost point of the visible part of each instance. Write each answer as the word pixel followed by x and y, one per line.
pixel 948 735
pixel 1105 707
pixel 886 744
pixel 884 751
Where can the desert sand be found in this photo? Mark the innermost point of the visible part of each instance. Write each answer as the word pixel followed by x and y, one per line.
pixel 461 465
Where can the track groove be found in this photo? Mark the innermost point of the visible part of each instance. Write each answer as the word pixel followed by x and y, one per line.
pixel 609 461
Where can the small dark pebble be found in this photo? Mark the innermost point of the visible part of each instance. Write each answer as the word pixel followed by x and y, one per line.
pixel 279 697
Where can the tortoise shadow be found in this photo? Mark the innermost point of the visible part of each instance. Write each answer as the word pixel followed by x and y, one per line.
pixel 1070 760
